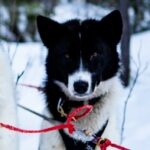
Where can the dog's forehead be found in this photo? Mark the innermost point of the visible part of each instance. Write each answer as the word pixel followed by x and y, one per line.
pixel 82 27
pixel 85 34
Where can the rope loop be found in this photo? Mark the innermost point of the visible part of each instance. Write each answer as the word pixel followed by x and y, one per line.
pixel 76 113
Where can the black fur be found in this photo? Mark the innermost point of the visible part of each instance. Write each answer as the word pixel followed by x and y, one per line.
pixel 96 45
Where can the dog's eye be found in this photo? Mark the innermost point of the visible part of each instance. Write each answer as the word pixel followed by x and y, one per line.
pixel 67 56
pixel 93 56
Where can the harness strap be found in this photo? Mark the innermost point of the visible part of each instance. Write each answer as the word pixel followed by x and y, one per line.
pixel 73 144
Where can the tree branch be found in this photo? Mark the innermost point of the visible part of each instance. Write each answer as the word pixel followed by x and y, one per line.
pixel 139 72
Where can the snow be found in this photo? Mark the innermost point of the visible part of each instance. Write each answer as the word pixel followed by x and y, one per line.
pixel 137 133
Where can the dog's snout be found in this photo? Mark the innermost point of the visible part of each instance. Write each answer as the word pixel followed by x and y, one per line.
pixel 81 87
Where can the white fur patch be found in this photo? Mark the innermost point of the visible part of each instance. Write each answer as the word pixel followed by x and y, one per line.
pixel 79 76
pixel 101 89
pixel 8 140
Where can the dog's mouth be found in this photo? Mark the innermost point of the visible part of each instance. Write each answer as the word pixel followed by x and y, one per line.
pixel 75 96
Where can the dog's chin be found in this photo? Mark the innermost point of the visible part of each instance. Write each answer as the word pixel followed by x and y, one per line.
pixel 80 96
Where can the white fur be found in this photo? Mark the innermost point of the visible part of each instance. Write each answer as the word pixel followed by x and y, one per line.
pixel 80 75
pixel 50 140
pixel 106 108
pixel 101 89
pixel 8 139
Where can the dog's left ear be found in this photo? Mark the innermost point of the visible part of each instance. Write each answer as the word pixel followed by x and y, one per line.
pixel 111 27
pixel 49 30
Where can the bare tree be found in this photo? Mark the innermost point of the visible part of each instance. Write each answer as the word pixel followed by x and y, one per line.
pixel 125 42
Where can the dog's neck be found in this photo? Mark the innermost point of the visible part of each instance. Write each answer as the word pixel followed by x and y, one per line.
pixel 55 94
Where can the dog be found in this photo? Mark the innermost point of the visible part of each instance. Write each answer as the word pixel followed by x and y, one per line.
pixel 8 109
pixel 82 68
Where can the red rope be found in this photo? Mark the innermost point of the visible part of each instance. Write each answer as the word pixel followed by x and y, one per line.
pixel 61 126
pixel 87 109
pixel 77 114
pixel 107 143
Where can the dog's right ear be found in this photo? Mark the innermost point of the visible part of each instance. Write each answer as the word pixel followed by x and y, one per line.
pixel 48 30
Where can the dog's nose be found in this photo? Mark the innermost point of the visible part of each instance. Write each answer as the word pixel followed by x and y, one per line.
pixel 81 87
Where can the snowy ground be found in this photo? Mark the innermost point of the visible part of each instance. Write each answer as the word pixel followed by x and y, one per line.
pixel 138 115
pixel 29 57
pixel 137 128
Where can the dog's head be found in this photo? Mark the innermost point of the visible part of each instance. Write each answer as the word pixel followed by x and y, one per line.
pixel 81 54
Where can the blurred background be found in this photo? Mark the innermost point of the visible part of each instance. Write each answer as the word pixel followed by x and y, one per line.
pixel 20 39
pixel 17 17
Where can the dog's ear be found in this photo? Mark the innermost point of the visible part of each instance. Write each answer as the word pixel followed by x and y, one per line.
pixel 48 30
pixel 111 27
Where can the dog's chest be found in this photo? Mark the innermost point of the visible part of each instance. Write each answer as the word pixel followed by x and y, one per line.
pixel 73 144
pixel 94 123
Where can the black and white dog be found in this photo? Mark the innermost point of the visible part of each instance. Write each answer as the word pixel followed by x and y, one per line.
pixel 82 68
